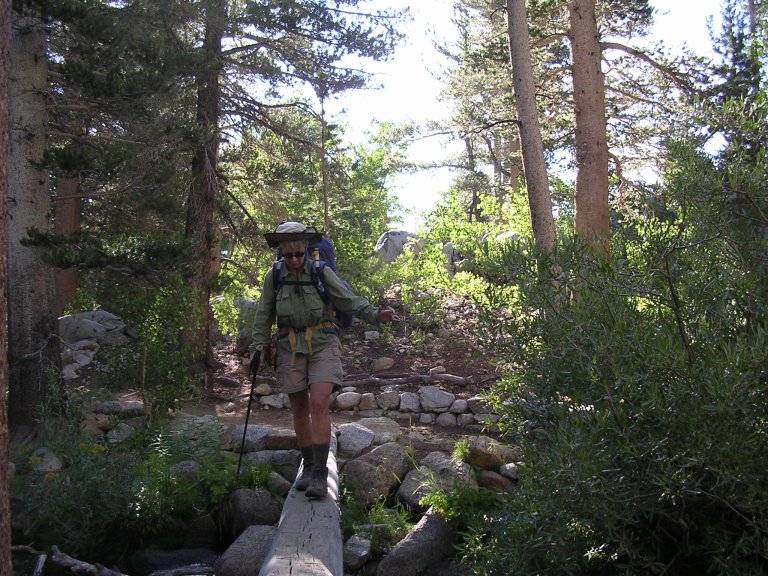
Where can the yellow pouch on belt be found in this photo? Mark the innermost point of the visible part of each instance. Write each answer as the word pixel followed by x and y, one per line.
pixel 308 332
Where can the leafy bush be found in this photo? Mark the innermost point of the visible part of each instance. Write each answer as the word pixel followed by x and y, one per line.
pixel 107 497
pixel 384 526
pixel 164 495
pixel 158 364
pixel 81 507
pixel 638 388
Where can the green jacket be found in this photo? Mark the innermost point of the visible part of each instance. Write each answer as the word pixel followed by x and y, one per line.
pixel 300 306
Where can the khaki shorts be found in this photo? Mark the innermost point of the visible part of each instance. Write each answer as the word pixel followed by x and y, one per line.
pixel 322 366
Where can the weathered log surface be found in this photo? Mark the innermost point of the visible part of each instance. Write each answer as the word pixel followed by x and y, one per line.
pixel 308 539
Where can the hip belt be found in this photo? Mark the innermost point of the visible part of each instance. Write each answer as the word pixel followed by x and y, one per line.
pixel 308 333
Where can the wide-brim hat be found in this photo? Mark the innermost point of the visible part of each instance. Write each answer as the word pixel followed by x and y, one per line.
pixel 290 231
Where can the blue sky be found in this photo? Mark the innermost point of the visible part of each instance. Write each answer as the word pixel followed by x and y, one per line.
pixel 410 90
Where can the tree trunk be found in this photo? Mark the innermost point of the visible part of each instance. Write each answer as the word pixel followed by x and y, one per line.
pixel 473 211
pixel 324 166
pixel 67 222
pixel 532 146
pixel 32 348
pixel 201 227
pixel 592 221
pixel 6 566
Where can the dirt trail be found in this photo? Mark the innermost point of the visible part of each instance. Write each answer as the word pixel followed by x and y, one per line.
pixel 451 345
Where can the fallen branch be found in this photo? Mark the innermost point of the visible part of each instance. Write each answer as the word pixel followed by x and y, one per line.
pixel 79 567
pixel 39 565
pixel 185 571
pixel 41 557
pixel 461 380
pixel 24 548
pixel 412 379
pixel 372 380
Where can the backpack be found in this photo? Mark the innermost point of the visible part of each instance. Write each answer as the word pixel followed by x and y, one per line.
pixel 320 254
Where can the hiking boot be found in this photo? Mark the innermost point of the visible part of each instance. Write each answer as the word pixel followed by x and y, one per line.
pixel 307 461
pixel 318 487
pixel 305 478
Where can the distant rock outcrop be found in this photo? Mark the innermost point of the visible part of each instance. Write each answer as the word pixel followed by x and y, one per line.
pixel 392 243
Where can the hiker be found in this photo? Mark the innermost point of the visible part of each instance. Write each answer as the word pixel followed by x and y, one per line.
pixel 308 350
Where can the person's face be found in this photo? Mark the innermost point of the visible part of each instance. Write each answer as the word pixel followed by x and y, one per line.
pixel 293 253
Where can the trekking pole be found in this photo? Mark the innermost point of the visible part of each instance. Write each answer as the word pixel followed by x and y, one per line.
pixel 253 368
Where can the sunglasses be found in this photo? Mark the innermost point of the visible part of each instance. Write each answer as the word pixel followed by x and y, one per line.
pixel 290 255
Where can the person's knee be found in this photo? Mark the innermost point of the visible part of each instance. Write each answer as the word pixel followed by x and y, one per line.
pixel 299 401
pixel 319 402
pixel 319 405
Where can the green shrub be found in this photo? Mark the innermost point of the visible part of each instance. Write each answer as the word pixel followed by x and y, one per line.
pixel 81 507
pixel 164 496
pixel 638 389
pixel 384 526
pixel 109 497
pixel 460 451
pixel 158 364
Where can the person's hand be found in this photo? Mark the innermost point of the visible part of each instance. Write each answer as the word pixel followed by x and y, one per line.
pixel 386 315
pixel 253 367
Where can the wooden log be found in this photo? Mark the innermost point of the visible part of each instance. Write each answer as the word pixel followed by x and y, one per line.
pixel 39 565
pixel 411 379
pixel 308 539
pixel 415 379
pixel 186 571
pixel 461 380
pixel 79 567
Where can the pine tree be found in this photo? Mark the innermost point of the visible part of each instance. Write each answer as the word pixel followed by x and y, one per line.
pixel 6 566
pixel 145 93
pixel 33 352
pixel 532 146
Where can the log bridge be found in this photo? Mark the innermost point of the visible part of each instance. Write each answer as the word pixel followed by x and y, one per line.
pixel 308 539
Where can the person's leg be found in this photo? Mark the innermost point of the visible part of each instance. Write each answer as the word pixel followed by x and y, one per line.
pixel 319 398
pixel 320 416
pixel 324 374
pixel 302 425
pixel 292 378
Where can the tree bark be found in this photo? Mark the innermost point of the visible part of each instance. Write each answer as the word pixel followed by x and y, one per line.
pixel 531 144
pixel 67 222
pixel 6 566
pixel 473 210
pixel 32 348
pixel 324 165
pixel 592 220
pixel 201 227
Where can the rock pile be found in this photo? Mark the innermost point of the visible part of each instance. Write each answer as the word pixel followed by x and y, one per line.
pixel 427 405
pixel 82 335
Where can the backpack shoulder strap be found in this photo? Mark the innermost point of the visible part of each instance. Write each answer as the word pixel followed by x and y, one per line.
pixel 317 273
pixel 278 280
pixel 318 268
pixel 277 277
